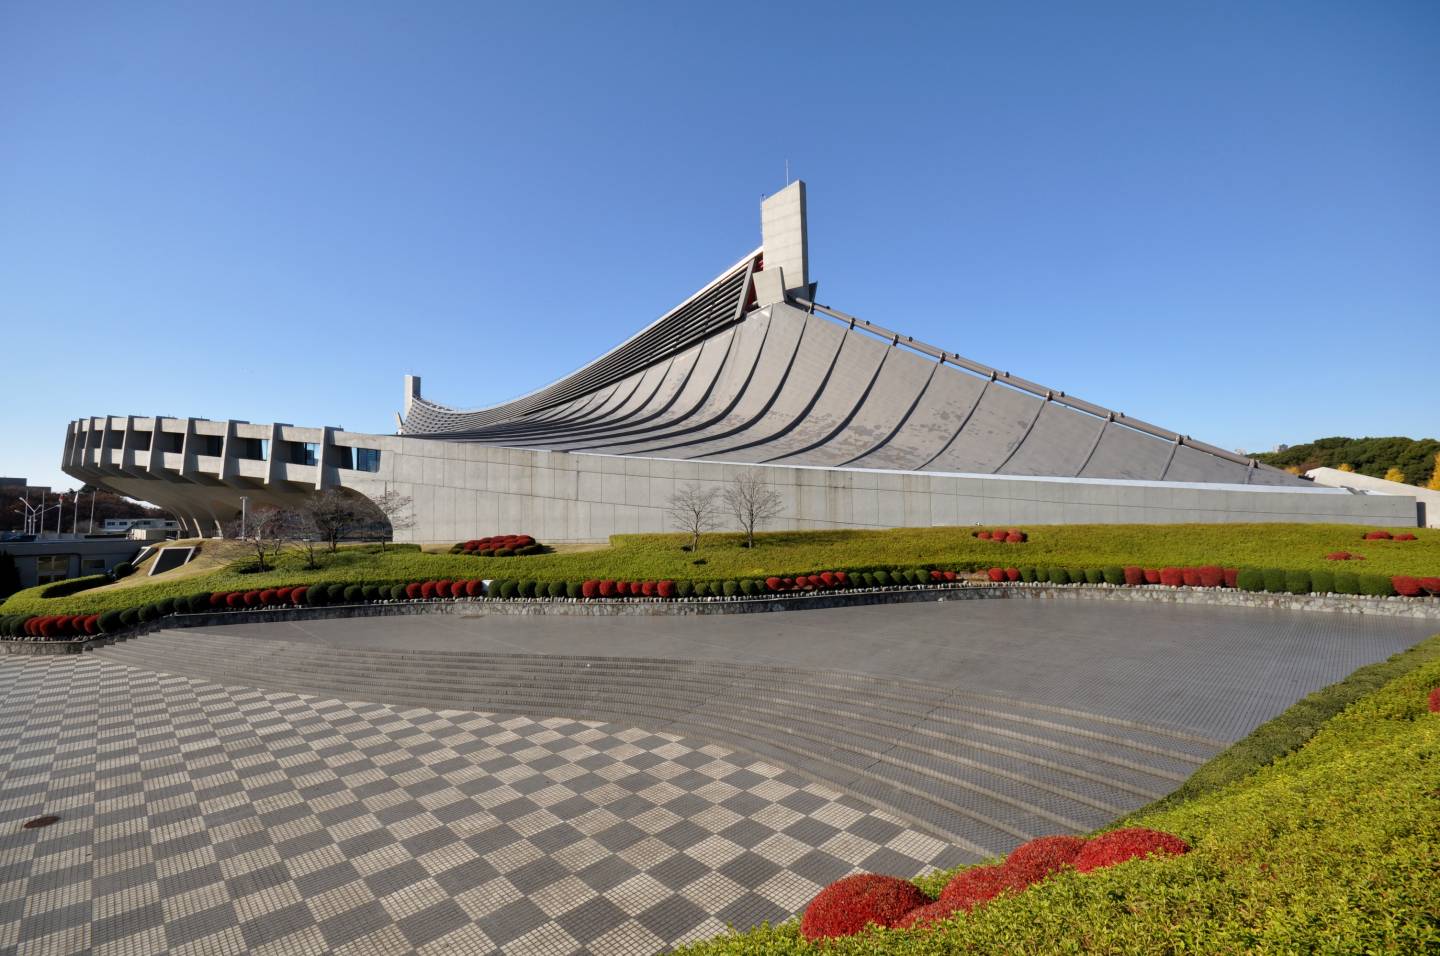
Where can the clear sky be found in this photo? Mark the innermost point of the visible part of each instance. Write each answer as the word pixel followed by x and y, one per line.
pixel 1220 217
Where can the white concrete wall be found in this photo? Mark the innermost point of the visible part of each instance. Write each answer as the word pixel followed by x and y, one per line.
pixel 465 490
pixel 1335 478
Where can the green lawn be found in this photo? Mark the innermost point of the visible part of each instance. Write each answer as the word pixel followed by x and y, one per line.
pixel 639 557
pixel 1334 848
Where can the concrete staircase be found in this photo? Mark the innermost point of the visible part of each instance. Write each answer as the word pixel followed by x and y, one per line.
pixel 984 772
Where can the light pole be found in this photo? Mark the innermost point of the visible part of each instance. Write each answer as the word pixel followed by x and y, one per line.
pixel 244 505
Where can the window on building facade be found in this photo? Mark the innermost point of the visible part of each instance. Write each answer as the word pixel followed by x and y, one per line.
pixel 52 567
pixel 367 459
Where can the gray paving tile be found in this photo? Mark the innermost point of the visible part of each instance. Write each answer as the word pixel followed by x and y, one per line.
pixel 222 817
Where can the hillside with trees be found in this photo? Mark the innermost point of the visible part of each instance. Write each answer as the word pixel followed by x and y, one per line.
pixel 1411 460
pixel 107 505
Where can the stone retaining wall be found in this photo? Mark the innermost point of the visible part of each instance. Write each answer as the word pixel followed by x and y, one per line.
pixel 814 600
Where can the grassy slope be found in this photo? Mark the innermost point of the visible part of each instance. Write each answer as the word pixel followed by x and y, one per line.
pixel 1291 546
pixel 1332 849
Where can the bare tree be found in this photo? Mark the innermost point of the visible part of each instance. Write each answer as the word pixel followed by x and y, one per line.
pixel 752 503
pixel 693 510
pixel 308 535
pixel 396 509
pixel 333 514
pixel 266 530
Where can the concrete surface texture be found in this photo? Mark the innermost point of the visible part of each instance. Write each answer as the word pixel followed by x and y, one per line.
pixel 197 818
pixel 1427 500
pixel 853 424
pixel 985 723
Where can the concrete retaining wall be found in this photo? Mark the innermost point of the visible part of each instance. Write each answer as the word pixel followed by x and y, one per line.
pixel 459 488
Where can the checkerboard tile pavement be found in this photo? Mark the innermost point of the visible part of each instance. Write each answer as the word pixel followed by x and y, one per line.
pixel 203 819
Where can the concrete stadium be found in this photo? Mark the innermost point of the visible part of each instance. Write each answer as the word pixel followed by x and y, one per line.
pixel 852 424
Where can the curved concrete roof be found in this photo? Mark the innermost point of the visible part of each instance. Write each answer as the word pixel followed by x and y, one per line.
pixel 787 384
pixel 750 369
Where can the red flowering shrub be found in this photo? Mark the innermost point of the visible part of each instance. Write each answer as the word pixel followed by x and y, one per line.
pixel 788 583
pixel 1377 536
pixel 1406 586
pixel 950 576
pixel 1042 858
pixel 412 590
pixel 1407 536
pixel 1172 577
pixel 217 599
pixel 1210 576
pixel 773 584
pixel 997 574
pixel 487 547
pixel 844 578
pixel 1232 577
pixel 282 595
pixel 252 598
pixel 1190 577
pixel 1012 574
pixel 607 589
pixel 297 596
pixel 936 576
pixel 1016 537
pixel 1134 577
pixel 1152 576
pixel 647 588
pixel 235 599
pixel 983 536
pixel 849 905
pixel 1342 556
pixel 427 590
pixel 92 624
pixel 1433 701
pixel 828 579
pixel 267 596
pixel 927 915
pixel 979 884
pixel 1131 843
pixel 998 534
pixel 666 589
pixel 590 589
pixel 1431 586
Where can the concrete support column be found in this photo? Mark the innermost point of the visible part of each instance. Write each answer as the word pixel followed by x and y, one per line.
pixel 188 451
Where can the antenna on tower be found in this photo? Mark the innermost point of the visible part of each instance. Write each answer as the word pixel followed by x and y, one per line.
pixel 787 172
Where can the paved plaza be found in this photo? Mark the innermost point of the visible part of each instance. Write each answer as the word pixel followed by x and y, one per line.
pixel 202 819
pixel 617 785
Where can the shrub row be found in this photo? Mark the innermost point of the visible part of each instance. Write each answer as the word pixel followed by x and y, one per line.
pixel 71 586
pixel 1270 580
pixel 848 905
pixel 1387 536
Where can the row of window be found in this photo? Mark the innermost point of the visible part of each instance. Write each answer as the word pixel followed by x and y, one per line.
pixel 258 449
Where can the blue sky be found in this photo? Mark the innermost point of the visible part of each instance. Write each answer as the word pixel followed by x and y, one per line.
pixel 1223 218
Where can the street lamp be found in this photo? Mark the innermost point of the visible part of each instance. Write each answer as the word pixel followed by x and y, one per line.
pixel 244 503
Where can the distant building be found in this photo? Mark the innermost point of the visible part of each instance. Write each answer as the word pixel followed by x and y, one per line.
pixel 48 560
pixel 122 525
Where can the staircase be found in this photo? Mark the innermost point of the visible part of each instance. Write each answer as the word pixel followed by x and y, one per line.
pixel 985 773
